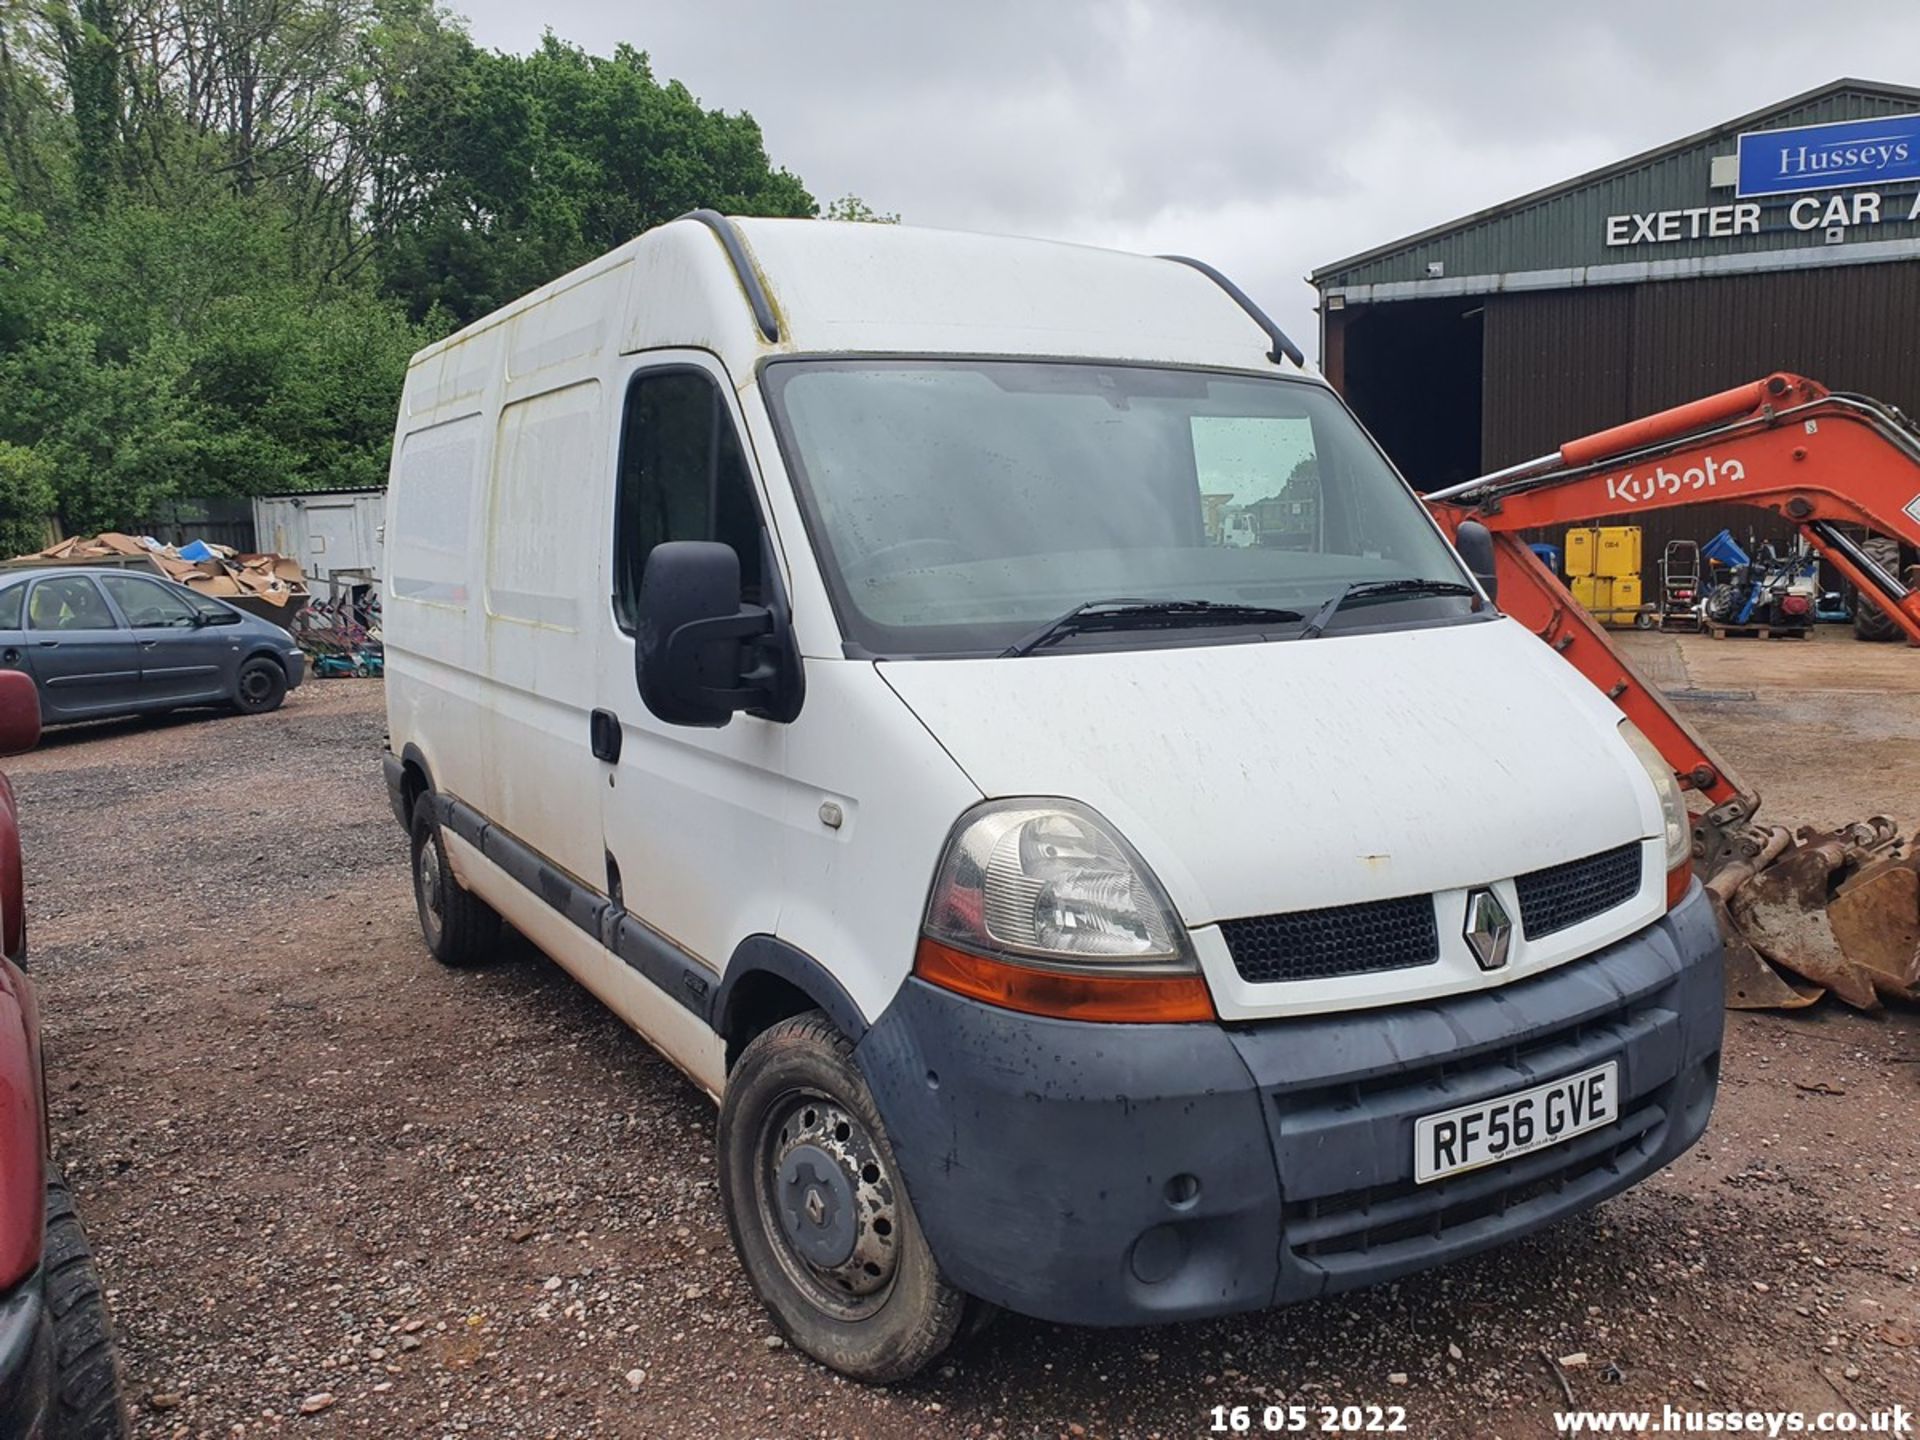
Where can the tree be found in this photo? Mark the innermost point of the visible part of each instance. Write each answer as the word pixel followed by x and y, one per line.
pixel 852 207
pixel 225 225
pixel 89 50
pixel 511 170
pixel 26 499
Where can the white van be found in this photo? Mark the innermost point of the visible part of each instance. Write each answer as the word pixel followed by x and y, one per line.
pixel 988 714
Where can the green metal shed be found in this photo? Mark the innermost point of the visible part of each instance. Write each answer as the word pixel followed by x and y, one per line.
pixel 1780 240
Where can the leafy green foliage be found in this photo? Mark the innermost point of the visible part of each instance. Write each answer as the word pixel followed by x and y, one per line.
pixel 26 499
pixel 224 227
pixel 547 160
pixel 852 207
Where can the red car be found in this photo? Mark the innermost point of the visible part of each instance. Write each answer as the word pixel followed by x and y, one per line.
pixel 59 1379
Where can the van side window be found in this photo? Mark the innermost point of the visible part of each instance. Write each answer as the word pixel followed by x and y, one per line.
pixel 682 477
pixel 11 600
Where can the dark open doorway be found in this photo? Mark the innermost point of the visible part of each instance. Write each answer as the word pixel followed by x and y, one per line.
pixel 1411 371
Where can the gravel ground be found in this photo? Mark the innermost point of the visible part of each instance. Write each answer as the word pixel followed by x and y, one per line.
pixel 323 1174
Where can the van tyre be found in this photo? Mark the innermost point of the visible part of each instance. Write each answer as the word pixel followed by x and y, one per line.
pixel 259 686
pixel 818 1214
pixel 460 928
pixel 1870 622
pixel 87 1403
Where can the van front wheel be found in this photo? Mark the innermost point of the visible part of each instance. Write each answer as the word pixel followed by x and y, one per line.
pixel 819 1217
pixel 459 927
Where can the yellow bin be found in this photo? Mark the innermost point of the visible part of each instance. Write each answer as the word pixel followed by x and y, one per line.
pixel 1582 546
pixel 1618 554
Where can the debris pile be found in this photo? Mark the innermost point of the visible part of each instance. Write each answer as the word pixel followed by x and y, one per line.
pixel 211 569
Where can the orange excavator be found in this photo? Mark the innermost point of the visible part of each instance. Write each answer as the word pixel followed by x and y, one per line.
pixel 1802 913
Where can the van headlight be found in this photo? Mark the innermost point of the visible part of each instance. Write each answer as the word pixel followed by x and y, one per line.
pixel 1673 804
pixel 1039 905
pixel 1050 881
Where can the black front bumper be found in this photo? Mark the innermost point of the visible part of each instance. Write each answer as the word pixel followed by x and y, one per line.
pixel 26 1363
pixel 1133 1174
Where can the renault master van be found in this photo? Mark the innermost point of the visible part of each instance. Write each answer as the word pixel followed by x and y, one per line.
pixel 989 715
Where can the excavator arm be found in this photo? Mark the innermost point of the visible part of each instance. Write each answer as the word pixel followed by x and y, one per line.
pixel 1786 444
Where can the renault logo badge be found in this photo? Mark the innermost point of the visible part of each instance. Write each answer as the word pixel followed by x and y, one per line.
pixel 1489 930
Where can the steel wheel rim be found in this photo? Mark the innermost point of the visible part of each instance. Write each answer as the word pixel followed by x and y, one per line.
pixel 430 886
pixel 835 1231
pixel 255 684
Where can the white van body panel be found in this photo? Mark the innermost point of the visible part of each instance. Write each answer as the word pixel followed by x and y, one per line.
pixel 1326 773
pixel 854 895
pixel 495 599
pixel 1337 769
pixel 867 293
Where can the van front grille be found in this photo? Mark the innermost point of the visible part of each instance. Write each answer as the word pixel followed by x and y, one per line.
pixel 1561 896
pixel 1339 940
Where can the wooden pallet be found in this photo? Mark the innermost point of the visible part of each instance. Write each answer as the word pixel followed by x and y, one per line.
pixel 1763 632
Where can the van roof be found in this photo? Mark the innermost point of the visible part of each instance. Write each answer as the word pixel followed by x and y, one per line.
pixel 857 288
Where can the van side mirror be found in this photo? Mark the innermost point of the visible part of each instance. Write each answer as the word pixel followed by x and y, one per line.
pixel 19 712
pixel 699 654
pixel 1475 544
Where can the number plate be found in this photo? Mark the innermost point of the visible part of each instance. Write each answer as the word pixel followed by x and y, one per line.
pixel 1470 1136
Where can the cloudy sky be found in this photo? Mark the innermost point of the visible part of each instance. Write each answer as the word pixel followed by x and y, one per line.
pixel 1267 137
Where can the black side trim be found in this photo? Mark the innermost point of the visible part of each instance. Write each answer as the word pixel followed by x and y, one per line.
pixel 395 769
pixel 765 954
pixel 660 962
pixel 664 963
pixel 410 755
pixel 1282 346
pixel 736 250
pixel 396 776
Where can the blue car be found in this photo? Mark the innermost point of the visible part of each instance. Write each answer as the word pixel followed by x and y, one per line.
pixel 102 642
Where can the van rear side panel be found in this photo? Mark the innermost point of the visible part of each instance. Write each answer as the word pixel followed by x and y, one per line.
pixel 427 612
pixel 501 475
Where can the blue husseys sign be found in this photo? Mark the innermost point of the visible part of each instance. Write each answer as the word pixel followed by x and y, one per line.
pixel 1830 157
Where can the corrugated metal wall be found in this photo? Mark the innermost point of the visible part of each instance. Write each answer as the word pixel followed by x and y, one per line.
pixel 1559 364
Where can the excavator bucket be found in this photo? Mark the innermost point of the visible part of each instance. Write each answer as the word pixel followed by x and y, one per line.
pixel 1753 984
pixel 1840 909
pixel 1875 917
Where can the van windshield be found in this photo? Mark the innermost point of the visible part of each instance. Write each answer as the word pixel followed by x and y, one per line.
pixel 955 505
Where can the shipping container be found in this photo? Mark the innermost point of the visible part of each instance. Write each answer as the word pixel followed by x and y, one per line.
pixel 336 535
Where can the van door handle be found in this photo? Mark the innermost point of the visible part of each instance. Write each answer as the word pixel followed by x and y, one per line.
pixel 603 727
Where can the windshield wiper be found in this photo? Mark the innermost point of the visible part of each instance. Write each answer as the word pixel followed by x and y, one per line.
pixel 1363 588
pixel 1126 614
